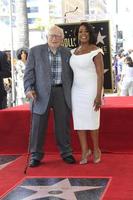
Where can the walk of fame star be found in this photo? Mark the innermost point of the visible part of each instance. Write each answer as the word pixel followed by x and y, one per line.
pixel 100 38
pixel 62 189
pixel 6 160
pixel 59 189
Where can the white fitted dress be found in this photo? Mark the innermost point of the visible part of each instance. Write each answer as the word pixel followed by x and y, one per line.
pixel 127 83
pixel 84 90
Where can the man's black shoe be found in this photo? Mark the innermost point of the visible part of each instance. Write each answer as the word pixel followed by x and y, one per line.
pixel 34 163
pixel 69 159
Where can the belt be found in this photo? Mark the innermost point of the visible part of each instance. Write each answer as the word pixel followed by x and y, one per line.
pixel 57 85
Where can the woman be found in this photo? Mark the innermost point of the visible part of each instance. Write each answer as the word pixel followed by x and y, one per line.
pixel 127 78
pixel 19 68
pixel 87 65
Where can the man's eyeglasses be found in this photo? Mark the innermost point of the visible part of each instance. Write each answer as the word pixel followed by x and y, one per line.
pixel 54 36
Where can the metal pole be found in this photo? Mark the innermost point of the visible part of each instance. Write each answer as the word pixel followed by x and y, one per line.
pixel 117 47
pixel 65 20
pixel 12 57
pixel 117 6
pixel 117 38
pixel 71 11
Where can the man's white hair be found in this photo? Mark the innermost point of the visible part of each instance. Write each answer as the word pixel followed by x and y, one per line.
pixel 55 27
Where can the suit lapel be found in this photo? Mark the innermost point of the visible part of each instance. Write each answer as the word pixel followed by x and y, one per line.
pixel 44 54
pixel 45 57
pixel 63 59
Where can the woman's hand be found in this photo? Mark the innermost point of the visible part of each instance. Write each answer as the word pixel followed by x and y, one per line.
pixel 97 103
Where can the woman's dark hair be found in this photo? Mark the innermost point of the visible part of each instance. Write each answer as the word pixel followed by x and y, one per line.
pixel 90 30
pixel 19 53
pixel 129 61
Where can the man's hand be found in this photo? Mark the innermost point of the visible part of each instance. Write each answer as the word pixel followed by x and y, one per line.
pixel 31 95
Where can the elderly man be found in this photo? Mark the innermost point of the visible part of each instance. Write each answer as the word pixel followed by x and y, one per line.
pixel 47 81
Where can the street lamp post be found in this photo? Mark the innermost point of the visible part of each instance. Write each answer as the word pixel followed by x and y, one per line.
pixel 12 63
pixel 71 11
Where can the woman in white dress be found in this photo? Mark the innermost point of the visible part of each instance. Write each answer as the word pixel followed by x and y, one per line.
pixel 22 55
pixel 87 65
pixel 127 78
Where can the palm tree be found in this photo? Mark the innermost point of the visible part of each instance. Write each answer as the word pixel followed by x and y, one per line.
pixel 22 24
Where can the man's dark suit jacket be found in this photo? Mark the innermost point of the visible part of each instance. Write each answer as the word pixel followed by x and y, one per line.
pixel 5 72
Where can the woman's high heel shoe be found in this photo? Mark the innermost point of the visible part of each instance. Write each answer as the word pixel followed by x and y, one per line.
pixel 85 158
pixel 97 156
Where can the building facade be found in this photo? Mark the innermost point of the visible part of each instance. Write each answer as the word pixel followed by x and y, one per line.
pixel 41 14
